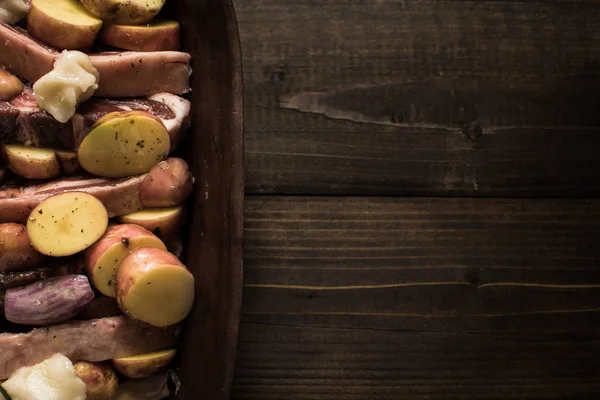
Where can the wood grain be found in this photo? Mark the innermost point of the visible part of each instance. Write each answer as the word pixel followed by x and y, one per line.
pixel 322 363
pixel 422 97
pixel 468 265
pixel 420 298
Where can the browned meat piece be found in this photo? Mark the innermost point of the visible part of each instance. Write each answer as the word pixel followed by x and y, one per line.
pixel 94 340
pixel 119 196
pixel 22 121
pixel 59 267
pixel 122 74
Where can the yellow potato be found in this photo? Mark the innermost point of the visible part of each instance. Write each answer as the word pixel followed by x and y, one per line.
pixel 64 24
pixel 158 35
pixel 103 258
pixel 144 365
pixel 10 85
pixel 101 381
pixel 162 221
pixel 123 144
pixel 153 286
pixel 32 162
pixel 66 223
pixel 134 12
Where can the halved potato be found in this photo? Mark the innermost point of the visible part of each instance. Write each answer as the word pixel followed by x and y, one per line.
pixel 10 85
pixel 158 35
pixel 144 365
pixel 69 164
pixel 103 259
pixel 32 162
pixel 123 144
pixel 163 222
pixel 134 12
pixel 64 24
pixel 66 223
pixel 153 286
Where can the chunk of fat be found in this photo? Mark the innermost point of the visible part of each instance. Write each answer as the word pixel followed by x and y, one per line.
pixel 72 81
pixel 12 11
pixel 52 379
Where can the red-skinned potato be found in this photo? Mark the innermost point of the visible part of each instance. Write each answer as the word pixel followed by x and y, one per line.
pixel 158 35
pixel 10 85
pixel 101 381
pixel 167 184
pixel 153 286
pixel 133 12
pixel 103 258
pixel 164 222
pixel 64 24
pixel 32 162
pixel 144 365
pixel 16 252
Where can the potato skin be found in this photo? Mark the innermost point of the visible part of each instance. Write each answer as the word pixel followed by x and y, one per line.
pixel 10 85
pixel 16 252
pixel 125 238
pixel 156 36
pixel 143 366
pixel 145 278
pixel 168 184
pixel 31 167
pixel 134 12
pixel 101 381
pixel 60 33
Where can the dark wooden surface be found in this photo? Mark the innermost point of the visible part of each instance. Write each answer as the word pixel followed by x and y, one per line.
pixel 423 200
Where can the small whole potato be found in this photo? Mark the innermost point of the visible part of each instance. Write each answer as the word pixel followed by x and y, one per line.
pixel 167 184
pixel 101 381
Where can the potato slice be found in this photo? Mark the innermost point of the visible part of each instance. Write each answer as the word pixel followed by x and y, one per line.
pixel 69 164
pixel 64 24
pixel 162 221
pixel 153 286
pixel 144 365
pixel 66 223
pixel 158 35
pixel 32 162
pixel 103 258
pixel 134 12
pixel 123 144
pixel 10 85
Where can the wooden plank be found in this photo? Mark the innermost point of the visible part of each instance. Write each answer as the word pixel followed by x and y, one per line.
pixel 420 298
pixel 312 363
pixel 510 266
pixel 422 97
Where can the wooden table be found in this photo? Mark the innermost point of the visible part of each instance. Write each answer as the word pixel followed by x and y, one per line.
pixel 423 213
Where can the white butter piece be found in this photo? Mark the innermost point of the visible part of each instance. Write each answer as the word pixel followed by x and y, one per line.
pixel 72 81
pixel 12 11
pixel 52 379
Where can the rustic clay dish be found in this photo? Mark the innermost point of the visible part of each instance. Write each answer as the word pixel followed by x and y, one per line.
pixel 214 150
